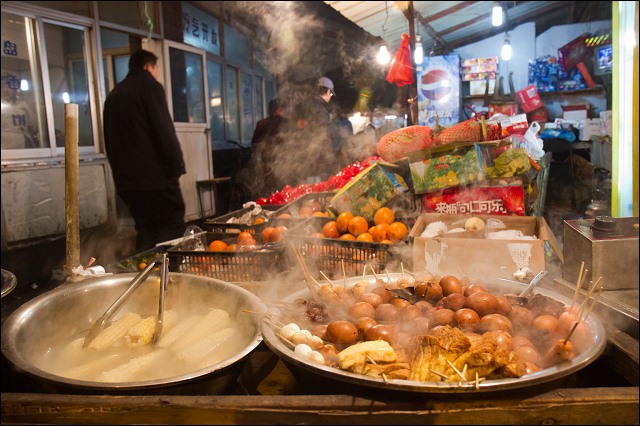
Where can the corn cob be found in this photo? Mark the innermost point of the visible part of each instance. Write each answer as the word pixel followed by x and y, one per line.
pixel 141 332
pixel 202 348
pixel 214 320
pixel 114 332
pixel 178 330
pixel 90 369
pixel 136 368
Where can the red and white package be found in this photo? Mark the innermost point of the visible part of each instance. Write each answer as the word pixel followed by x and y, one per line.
pixel 498 200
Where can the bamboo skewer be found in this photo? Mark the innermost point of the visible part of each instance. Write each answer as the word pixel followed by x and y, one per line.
pixel 578 285
pixel 305 270
pixel 593 304
pixel 586 299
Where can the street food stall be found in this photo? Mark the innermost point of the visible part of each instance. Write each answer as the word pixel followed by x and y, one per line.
pixel 343 300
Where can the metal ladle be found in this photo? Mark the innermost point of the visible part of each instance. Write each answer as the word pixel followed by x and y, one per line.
pixel 521 299
pixel 100 323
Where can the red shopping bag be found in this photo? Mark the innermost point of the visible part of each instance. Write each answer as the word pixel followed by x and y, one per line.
pixel 401 71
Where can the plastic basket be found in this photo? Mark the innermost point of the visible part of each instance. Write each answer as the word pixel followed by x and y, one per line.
pixel 293 208
pixel 221 224
pixel 232 266
pixel 339 258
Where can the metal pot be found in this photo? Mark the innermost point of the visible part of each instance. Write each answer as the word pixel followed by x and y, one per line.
pixel 71 309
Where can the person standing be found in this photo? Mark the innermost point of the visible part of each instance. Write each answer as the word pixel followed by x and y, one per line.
pixel 266 145
pixel 314 125
pixel 144 153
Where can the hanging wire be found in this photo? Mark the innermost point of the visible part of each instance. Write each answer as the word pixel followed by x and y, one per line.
pixel 148 22
pixel 386 11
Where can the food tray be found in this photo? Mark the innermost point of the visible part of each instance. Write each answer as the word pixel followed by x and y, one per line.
pixel 221 224
pixel 232 266
pixel 293 208
pixel 324 375
pixel 328 255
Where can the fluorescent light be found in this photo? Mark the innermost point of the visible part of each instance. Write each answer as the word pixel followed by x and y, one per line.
pixel 418 54
pixel 383 55
pixel 506 49
pixel 496 16
pixel 24 85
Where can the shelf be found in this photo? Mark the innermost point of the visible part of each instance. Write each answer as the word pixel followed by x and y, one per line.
pixel 595 89
pixel 470 97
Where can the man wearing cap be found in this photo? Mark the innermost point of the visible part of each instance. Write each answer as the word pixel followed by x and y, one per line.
pixel 315 123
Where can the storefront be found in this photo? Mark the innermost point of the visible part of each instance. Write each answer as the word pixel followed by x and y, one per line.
pixel 216 92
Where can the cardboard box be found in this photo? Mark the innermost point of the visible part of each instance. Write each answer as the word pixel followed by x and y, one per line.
pixel 606 117
pixel 371 189
pixel 574 112
pixel 590 127
pixel 479 87
pixel 529 98
pixel 470 254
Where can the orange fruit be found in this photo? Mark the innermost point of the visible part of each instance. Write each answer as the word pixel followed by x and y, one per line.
pixel 384 215
pixel 317 235
pixel 247 242
pixel 284 215
pixel 321 214
pixel 278 233
pixel 266 233
pixel 245 236
pixel 305 211
pixel 232 247
pixel 365 236
pixel 347 237
pixel 217 245
pixel 258 220
pixel 343 221
pixel 397 231
pixel 379 232
pixel 385 241
pixel 330 229
pixel 358 225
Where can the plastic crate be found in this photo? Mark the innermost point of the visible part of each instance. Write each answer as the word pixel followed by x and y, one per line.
pixel 232 266
pixel 221 224
pixel 328 255
pixel 292 209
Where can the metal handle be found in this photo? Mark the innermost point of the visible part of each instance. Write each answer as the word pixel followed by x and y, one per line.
pixel 533 282
pixel 100 322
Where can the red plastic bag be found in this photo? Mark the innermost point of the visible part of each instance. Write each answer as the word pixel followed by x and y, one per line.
pixel 401 70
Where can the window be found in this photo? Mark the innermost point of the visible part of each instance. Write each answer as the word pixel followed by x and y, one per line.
pixel 23 109
pixel 216 110
pixel 247 108
pixel 68 79
pixel 142 15
pixel 187 82
pixel 233 109
pixel 116 50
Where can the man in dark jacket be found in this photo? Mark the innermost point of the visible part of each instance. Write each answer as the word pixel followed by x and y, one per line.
pixel 266 145
pixel 144 153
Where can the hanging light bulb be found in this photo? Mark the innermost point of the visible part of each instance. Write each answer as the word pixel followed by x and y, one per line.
pixel 496 16
pixel 506 48
pixel 383 55
pixel 418 54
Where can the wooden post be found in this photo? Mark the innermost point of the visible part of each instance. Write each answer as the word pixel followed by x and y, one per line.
pixel 71 175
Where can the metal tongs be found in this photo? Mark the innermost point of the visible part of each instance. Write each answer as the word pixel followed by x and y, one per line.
pixel 101 322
